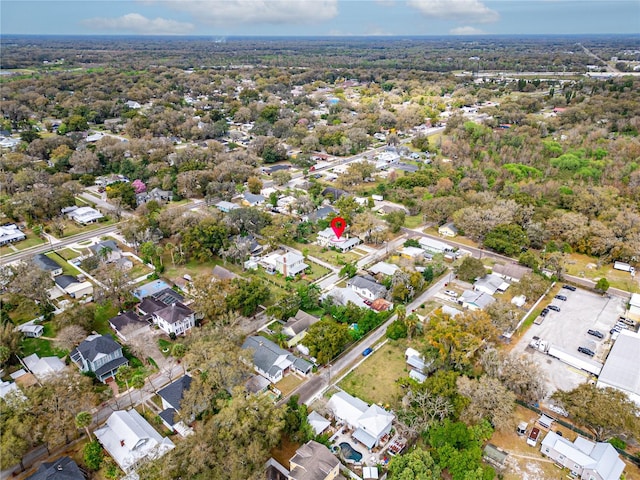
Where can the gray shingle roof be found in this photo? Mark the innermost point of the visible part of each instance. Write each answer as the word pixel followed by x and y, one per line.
pixel 125 319
pixel 174 313
pixel 174 392
pixel 63 468
pixel 113 365
pixel 96 345
pixel 109 244
pixel 364 283
pixel 63 281
pixel 313 461
pixel 46 263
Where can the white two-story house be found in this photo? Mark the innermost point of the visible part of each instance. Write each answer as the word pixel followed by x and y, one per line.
pixel 176 318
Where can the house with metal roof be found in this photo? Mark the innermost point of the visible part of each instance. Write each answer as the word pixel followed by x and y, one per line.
pixel 586 459
pixel 369 422
pixel 448 230
pixel 384 268
pixel 99 354
pixel 434 246
pixel 43 367
pixel 131 440
pixel 273 362
pixel 622 368
pixel 318 422
pixel 85 215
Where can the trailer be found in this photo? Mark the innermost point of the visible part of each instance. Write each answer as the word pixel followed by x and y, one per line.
pixel 625 267
pixel 586 364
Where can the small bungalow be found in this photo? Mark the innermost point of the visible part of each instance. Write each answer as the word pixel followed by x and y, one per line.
pixel 328 238
pixel 318 422
pixel 344 296
pixel 384 268
pixel 474 300
pixel 257 384
pixel 48 264
pixel 490 284
pixel 85 215
pixel 334 193
pixel 511 272
pixel 225 206
pixel 70 285
pixel 448 230
pixel 31 330
pixel 296 327
pixel 433 246
pixel 321 213
pixel 252 200
pixel 220 273
pixel 10 233
pixel 411 253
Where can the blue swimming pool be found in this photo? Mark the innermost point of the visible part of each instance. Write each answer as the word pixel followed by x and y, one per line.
pixel 349 452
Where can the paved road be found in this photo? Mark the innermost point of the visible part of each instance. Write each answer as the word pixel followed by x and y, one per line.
pixel 481 253
pixel 314 387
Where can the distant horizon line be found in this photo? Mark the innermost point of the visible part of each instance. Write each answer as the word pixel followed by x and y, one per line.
pixel 236 36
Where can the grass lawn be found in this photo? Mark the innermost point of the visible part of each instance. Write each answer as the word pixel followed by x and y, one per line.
pixel 103 313
pixel 67 269
pixel 138 270
pixel 44 348
pixel 587 267
pixel 413 221
pixel 68 254
pixel 24 310
pixel 330 256
pixel 288 384
pixel 30 241
pixel 72 228
pixel 374 381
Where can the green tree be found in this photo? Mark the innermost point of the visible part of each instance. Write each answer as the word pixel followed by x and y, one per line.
pixel 395 220
pixel 246 296
pixel 84 420
pixel 470 269
pixel 124 191
pixel 203 240
pixel 254 184
pixel 397 330
pixel 349 270
pixel 326 339
pixel 607 412
pixel 602 285
pixel 93 455
pixel 509 239
pixel 414 465
pixel 296 425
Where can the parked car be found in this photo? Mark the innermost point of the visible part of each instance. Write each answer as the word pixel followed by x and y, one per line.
pixel 555 308
pixel 544 312
pixel 595 333
pixel 561 297
pixel 367 351
pixel 586 351
pixel 451 293
pixel 533 437
pixel 570 287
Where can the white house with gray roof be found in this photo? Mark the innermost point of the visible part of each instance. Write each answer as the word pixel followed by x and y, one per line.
pixel 586 460
pixel 10 233
pixel 367 287
pixel 474 300
pixel 176 318
pixel 273 362
pixel 490 284
pixel 622 368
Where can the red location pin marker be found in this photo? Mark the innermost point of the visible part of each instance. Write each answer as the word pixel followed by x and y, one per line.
pixel 338 225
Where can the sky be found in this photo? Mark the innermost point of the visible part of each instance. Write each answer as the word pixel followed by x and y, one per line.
pixel 319 17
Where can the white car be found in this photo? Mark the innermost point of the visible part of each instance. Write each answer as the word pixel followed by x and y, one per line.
pixel 451 293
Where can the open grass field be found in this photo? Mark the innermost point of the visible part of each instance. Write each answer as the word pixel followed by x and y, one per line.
pixel 288 384
pixel 587 267
pixel 23 310
pixel 67 269
pixel 42 346
pixel 72 228
pixel 330 256
pixel 374 381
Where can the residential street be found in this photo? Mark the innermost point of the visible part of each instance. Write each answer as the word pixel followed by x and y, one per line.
pixel 329 375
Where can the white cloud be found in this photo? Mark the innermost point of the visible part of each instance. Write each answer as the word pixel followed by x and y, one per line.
pixel 466 31
pixel 462 10
pixel 136 23
pixel 255 11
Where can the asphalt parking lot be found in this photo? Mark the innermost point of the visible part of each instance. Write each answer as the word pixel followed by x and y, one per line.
pixel 567 330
